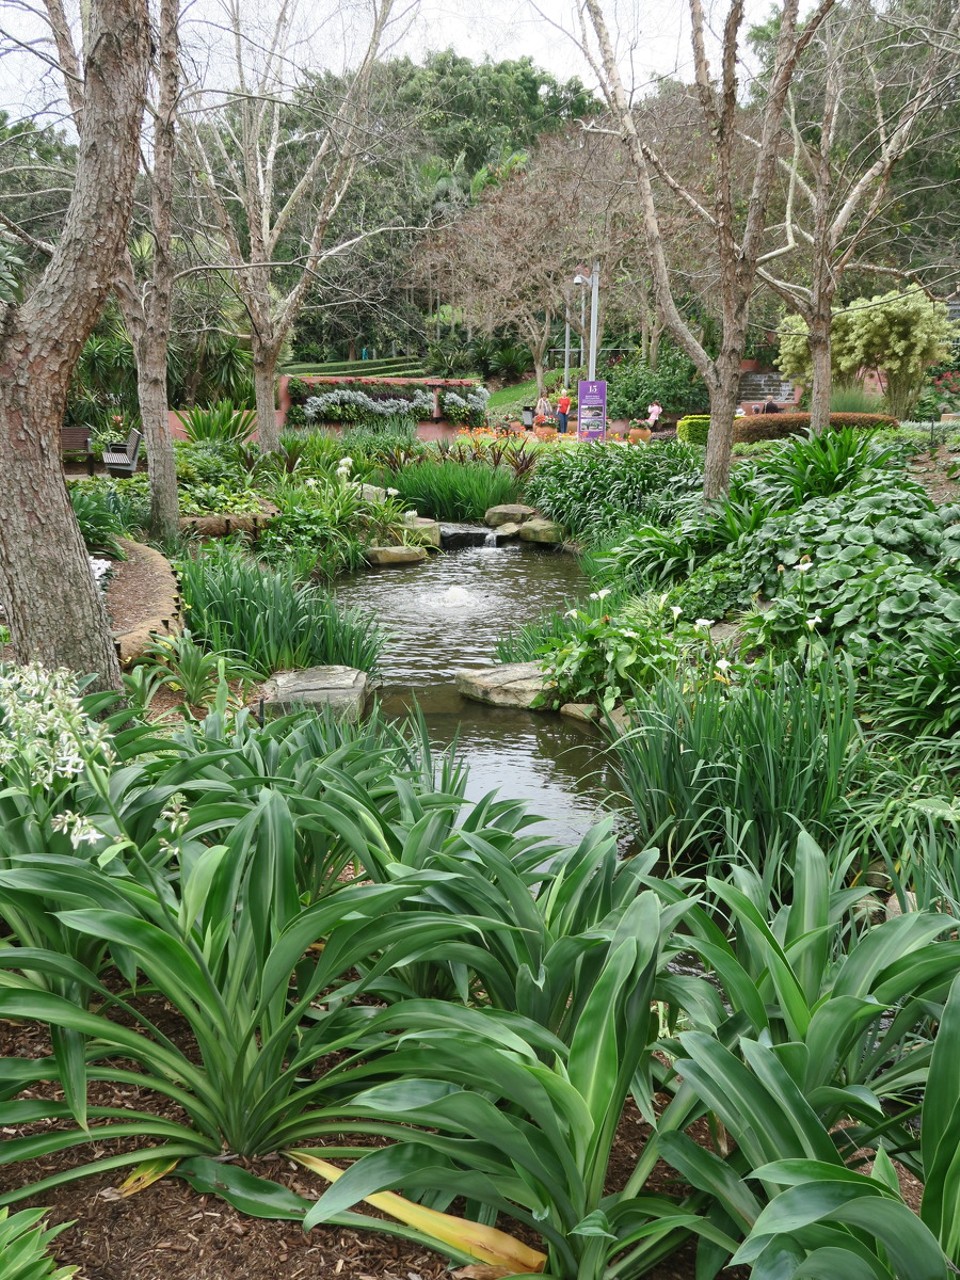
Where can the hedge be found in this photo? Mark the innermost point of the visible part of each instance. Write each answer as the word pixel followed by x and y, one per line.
pixel 776 426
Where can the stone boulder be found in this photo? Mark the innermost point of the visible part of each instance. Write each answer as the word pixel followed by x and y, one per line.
pixel 585 711
pixel 372 493
pixel 343 688
pixel 428 530
pixel 386 556
pixel 540 530
pixel 508 513
pixel 514 684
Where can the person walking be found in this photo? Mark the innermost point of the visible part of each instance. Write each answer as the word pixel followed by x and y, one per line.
pixel 544 409
pixel 563 410
pixel 654 411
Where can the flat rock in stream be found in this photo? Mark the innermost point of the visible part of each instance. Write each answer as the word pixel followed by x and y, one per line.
pixel 515 684
pixel 344 689
pixel 385 556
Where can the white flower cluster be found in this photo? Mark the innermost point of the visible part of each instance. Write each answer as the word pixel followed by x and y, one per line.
pixel 45 736
pixel 344 467
pixel 76 826
pixel 324 406
pixel 474 402
pixel 101 570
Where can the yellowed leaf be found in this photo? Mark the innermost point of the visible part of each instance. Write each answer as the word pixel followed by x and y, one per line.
pixel 506 1253
pixel 144 1175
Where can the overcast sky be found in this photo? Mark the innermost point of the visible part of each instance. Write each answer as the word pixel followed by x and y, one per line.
pixel 652 37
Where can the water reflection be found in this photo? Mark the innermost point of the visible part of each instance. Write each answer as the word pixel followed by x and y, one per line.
pixel 449 613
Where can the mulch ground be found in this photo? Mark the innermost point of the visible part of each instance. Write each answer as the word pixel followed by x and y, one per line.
pixel 170 1232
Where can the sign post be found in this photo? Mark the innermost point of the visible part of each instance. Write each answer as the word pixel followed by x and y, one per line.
pixel 591 411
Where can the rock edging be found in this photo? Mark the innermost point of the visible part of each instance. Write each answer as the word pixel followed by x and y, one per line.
pixel 160 608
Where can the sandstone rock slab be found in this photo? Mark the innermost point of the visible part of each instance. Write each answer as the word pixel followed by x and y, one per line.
pixel 514 684
pixel 427 530
pixel 508 512
pixel 585 711
pixel 344 689
pixel 540 530
pixel 395 555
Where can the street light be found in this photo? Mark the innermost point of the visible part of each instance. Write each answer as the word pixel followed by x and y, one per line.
pixel 592 279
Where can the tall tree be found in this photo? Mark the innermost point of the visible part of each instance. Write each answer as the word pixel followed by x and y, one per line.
pixel 147 302
pixel 736 220
pixel 272 191
pixel 856 110
pixel 55 611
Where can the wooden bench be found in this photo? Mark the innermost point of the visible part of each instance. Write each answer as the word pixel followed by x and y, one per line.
pixel 121 458
pixel 75 442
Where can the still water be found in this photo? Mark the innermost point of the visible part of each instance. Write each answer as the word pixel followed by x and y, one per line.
pixel 448 613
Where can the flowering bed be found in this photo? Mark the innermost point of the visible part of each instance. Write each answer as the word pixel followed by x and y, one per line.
pixel 356 398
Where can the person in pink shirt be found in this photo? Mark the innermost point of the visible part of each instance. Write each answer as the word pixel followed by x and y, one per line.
pixel 653 413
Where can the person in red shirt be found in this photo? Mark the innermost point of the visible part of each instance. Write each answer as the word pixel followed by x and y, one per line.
pixel 563 408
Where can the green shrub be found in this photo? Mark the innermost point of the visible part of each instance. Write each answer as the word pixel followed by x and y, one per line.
pixel 101 519
pixel 267 617
pixel 774 426
pixel 719 587
pixel 810 466
pixel 632 385
pixel 298 392
pixel 781 748
pixel 23 1247
pixel 693 429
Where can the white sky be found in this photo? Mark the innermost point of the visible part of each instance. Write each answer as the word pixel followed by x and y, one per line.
pixel 652 37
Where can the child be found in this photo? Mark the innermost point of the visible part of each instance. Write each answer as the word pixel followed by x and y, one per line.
pixel 653 413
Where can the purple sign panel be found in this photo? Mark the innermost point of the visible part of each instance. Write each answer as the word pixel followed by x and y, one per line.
pixel 591 410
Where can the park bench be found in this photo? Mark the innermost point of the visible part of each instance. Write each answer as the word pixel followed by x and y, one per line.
pixel 121 458
pixel 75 442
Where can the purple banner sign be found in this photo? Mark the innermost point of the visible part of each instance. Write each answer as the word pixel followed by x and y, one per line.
pixel 591 410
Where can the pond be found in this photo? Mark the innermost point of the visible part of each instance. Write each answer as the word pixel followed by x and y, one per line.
pixel 448 613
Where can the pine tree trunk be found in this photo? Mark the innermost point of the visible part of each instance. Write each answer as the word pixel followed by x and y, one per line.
pixel 53 607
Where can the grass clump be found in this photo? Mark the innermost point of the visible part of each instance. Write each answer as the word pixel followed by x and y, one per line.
pixel 266 616
pixel 450 490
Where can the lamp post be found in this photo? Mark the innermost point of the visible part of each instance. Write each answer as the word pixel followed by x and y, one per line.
pixel 592 279
pixel 566 343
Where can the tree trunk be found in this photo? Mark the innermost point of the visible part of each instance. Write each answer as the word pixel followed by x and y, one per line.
pixel 264 382
pixel 820 359
pixel 53 607
pixel 152 391
pixel 724 394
